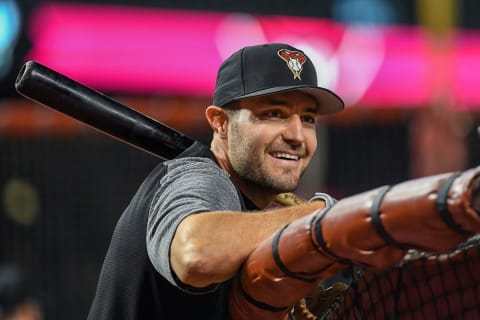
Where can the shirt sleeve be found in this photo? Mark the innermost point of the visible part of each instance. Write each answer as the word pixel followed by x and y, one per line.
pixel 190 185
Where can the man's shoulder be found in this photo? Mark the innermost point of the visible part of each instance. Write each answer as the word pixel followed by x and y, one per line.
pixel 195 168
pixel 191 162
pixel 197 149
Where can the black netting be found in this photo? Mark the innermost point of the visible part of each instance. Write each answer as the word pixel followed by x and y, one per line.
pixel 422 286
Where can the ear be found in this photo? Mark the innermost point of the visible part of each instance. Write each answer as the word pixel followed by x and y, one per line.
pixel 218 120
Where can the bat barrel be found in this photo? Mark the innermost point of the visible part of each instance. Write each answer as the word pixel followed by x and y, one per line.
pixel 54 90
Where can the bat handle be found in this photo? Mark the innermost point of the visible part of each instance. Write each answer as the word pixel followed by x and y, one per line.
pixel 54 90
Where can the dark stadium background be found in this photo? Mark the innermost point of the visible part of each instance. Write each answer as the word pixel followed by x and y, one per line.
pixel 63 189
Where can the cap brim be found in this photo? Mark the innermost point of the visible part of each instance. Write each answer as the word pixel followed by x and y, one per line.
pixel 327 100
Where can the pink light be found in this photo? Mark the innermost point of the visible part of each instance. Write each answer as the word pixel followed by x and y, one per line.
pixel 120 48
pixel 177 52
pixel 466 62
pixel 404 77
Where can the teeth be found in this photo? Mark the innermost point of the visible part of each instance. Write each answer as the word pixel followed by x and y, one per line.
pixel 286 156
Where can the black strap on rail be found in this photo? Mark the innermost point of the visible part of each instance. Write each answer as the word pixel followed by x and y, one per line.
pixel 278 260
pixel 256 303
pixel 322 245
pixel 442 206
pixel 375 213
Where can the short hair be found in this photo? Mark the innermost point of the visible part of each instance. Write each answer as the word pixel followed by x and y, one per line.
pixel 232 105
pixel 232 108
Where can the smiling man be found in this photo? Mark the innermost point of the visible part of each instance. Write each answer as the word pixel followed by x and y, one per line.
pixel 270 142
pixel 196 218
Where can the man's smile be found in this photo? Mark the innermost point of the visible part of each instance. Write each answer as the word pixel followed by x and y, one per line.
pixel 285 156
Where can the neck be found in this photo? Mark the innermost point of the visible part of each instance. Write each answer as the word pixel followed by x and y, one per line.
pixel 256 194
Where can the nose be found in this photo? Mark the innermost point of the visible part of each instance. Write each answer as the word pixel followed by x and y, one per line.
pixel 293 132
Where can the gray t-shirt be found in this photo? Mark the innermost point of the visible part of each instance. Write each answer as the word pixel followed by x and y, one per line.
pixel 190 185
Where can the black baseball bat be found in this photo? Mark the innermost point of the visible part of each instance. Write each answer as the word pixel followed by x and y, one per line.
pixel 54 90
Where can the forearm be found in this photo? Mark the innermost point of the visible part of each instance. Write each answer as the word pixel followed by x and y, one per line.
pixel 210 247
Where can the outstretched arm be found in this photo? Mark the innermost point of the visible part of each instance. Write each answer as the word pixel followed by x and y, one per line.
pixel 210 247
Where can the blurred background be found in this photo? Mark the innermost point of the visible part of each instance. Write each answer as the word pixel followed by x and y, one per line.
pixel 407 69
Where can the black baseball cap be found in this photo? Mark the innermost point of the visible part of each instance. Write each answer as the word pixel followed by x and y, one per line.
pixel 271 68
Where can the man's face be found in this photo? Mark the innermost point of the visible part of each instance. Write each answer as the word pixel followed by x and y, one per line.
pixel 272 139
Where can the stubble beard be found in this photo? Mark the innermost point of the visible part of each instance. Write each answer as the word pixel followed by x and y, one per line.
pixel 250 168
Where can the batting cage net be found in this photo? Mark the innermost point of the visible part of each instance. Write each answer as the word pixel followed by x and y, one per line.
pixel 421 286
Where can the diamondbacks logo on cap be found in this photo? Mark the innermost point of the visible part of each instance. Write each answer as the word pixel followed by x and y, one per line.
pixel 294 60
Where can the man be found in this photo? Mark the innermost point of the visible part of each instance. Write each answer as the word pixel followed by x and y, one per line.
pixel 185 234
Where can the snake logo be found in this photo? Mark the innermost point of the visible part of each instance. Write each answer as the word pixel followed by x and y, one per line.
pixel 294 60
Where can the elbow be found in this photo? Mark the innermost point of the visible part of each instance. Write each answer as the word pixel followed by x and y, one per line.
pixel 192 259
pixel 195 257
pixel 193 267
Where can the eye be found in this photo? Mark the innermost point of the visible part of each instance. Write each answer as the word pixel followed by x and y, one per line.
pixel 274 114
pixel 309 119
